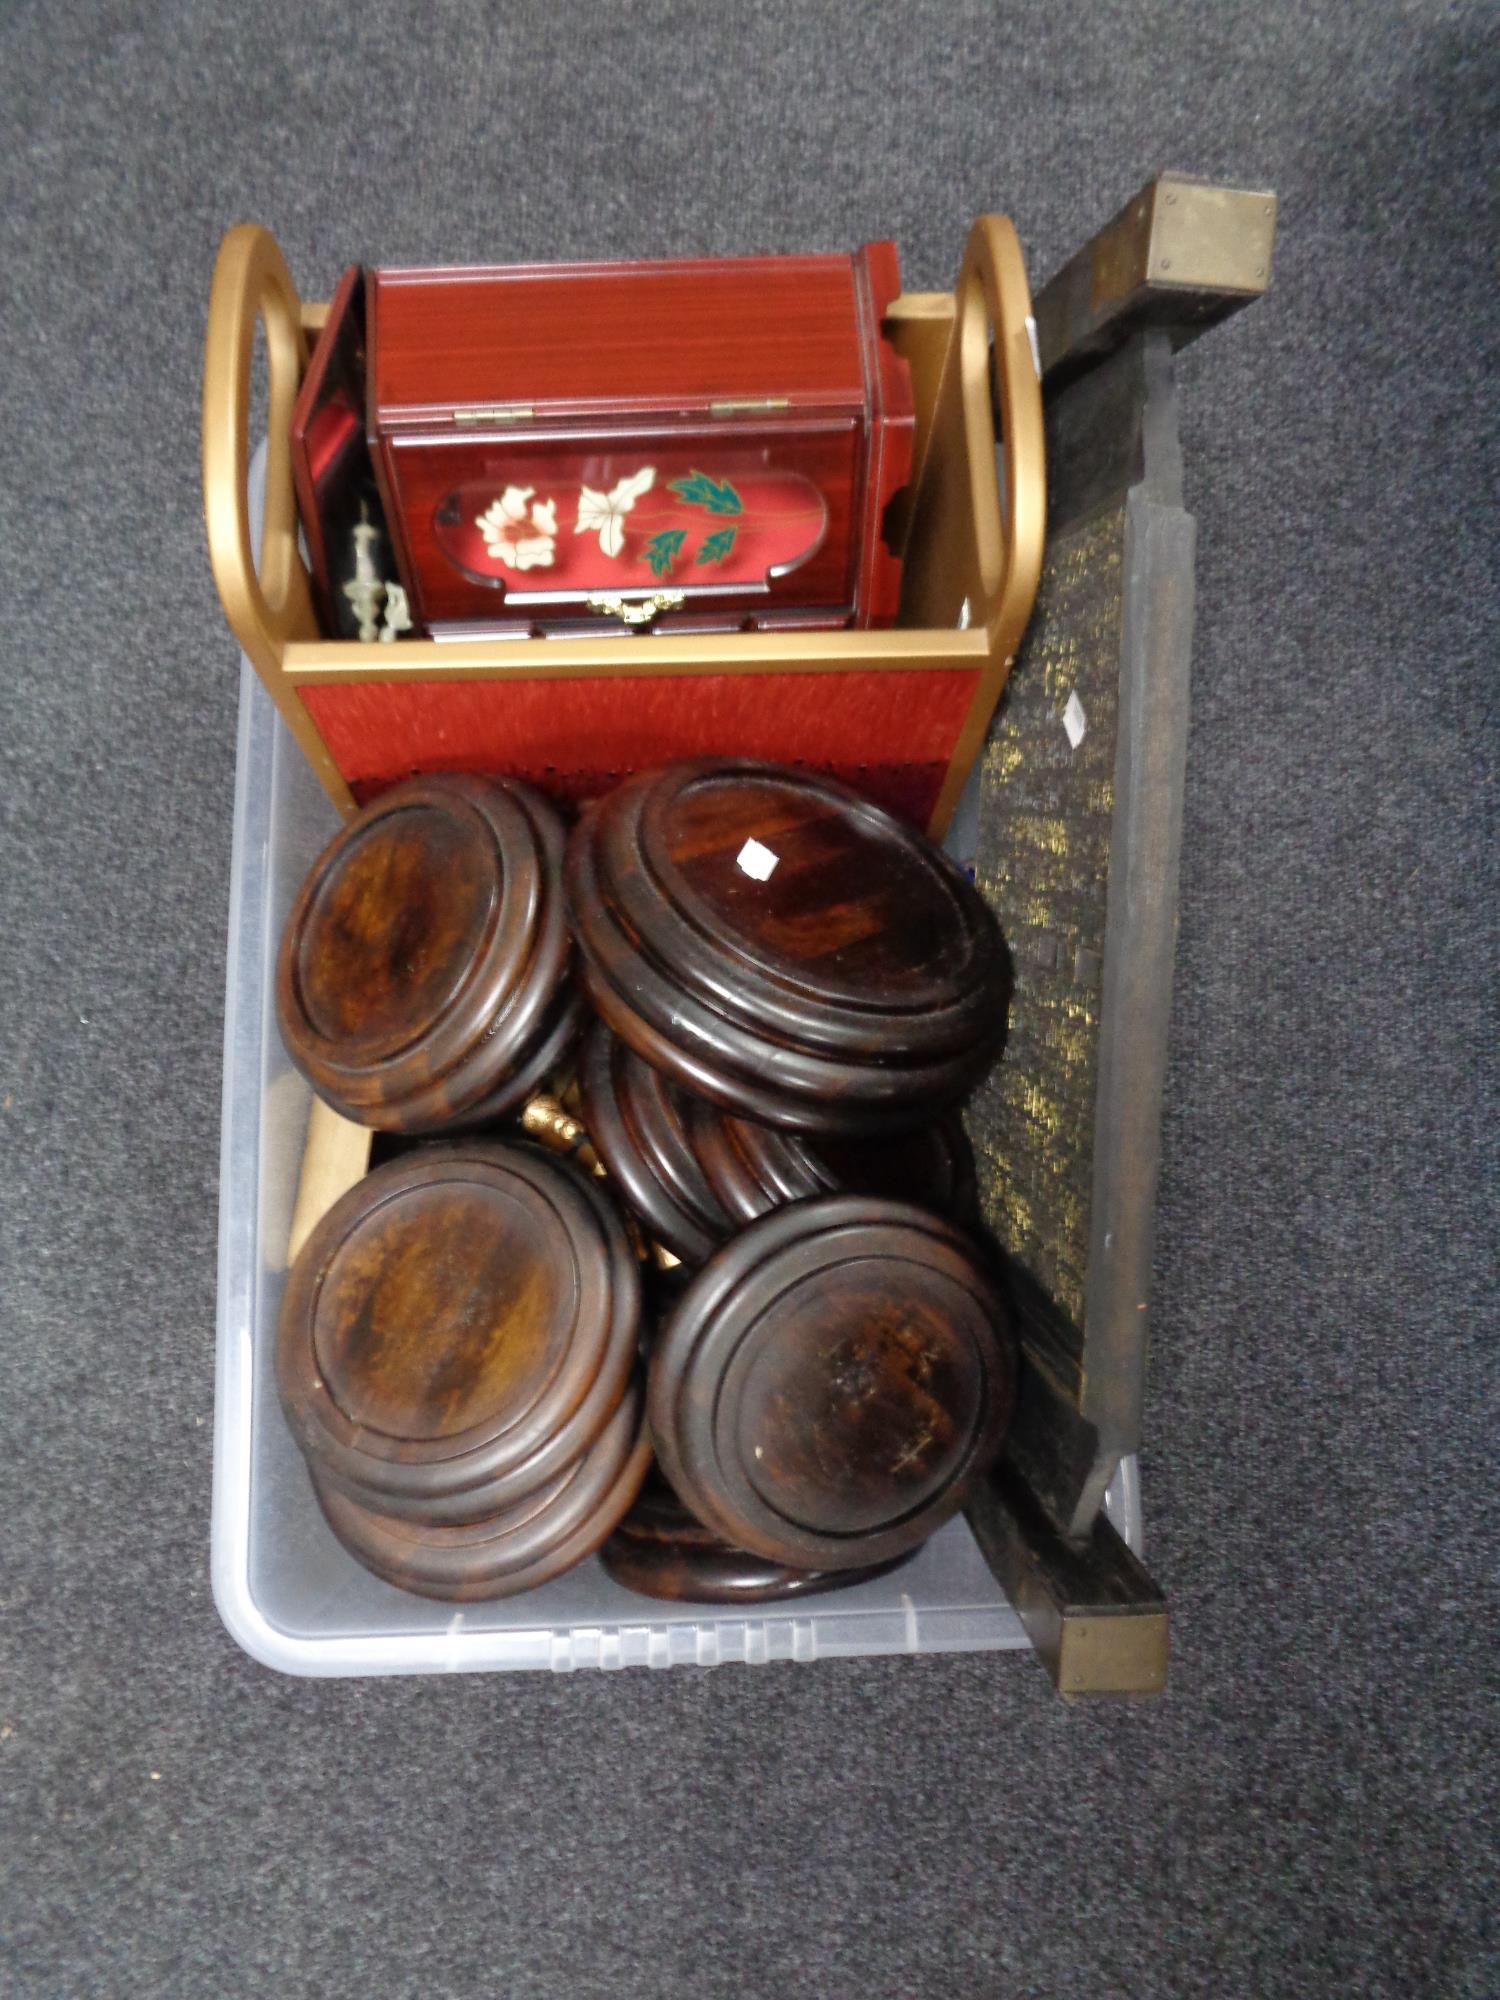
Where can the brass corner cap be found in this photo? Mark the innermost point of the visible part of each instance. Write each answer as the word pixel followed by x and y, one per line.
pixel 1209 238
pixel 1120 1654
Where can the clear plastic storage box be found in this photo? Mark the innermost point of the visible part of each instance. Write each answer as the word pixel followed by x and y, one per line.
pixel 285 1588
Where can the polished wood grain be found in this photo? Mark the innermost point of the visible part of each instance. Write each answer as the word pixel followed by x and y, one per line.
pixel 660 1550
pixel 851 981
pixel 735 1064
pixel 423 964
pixel 413 923
pixel 754 1168
pixel 742 1191
pixel 441 1312
pixel 833 1382
pixel 458 1330
pixel 659 1115
pixel 673 1202
pixel 549 1053
pixel 752 1087
pixel 557 1527
pixel 783 1166
pixel 529 1033
pixel 666 336
pixel 864 937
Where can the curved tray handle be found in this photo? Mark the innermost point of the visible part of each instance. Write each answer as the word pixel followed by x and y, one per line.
pixel 973 543
pixel 267 608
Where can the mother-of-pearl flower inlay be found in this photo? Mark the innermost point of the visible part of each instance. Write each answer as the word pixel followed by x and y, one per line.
pixel 518 533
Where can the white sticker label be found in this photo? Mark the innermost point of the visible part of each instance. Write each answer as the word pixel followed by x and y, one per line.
pixel 1074 720
pixel 757 861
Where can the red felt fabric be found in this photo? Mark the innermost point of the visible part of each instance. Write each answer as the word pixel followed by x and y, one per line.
pixel 890 733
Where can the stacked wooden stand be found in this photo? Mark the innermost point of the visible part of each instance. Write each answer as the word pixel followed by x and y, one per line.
pixel 458 1332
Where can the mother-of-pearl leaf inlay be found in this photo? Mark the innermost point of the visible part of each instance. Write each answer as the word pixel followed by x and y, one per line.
pixel 605 512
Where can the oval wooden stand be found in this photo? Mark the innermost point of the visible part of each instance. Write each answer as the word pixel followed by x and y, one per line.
pixel 833 1382
pixel 423 979
pixel 660 1550
pixel 457 1358
pixel 785 949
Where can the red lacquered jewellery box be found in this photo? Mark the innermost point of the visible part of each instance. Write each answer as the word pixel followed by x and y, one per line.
pixel 701 445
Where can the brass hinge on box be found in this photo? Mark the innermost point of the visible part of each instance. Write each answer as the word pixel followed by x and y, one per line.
pixel 500 413
pixel 748 406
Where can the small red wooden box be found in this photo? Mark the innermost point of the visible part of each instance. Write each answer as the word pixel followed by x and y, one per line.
pixel 707 445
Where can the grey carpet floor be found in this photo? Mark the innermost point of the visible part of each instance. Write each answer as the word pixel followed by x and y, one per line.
pixel 1309 1810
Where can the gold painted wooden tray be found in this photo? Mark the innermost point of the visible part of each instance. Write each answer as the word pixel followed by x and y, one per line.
pixel 973 558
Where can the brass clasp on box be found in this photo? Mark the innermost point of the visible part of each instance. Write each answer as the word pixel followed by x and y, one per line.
pixel 635 610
